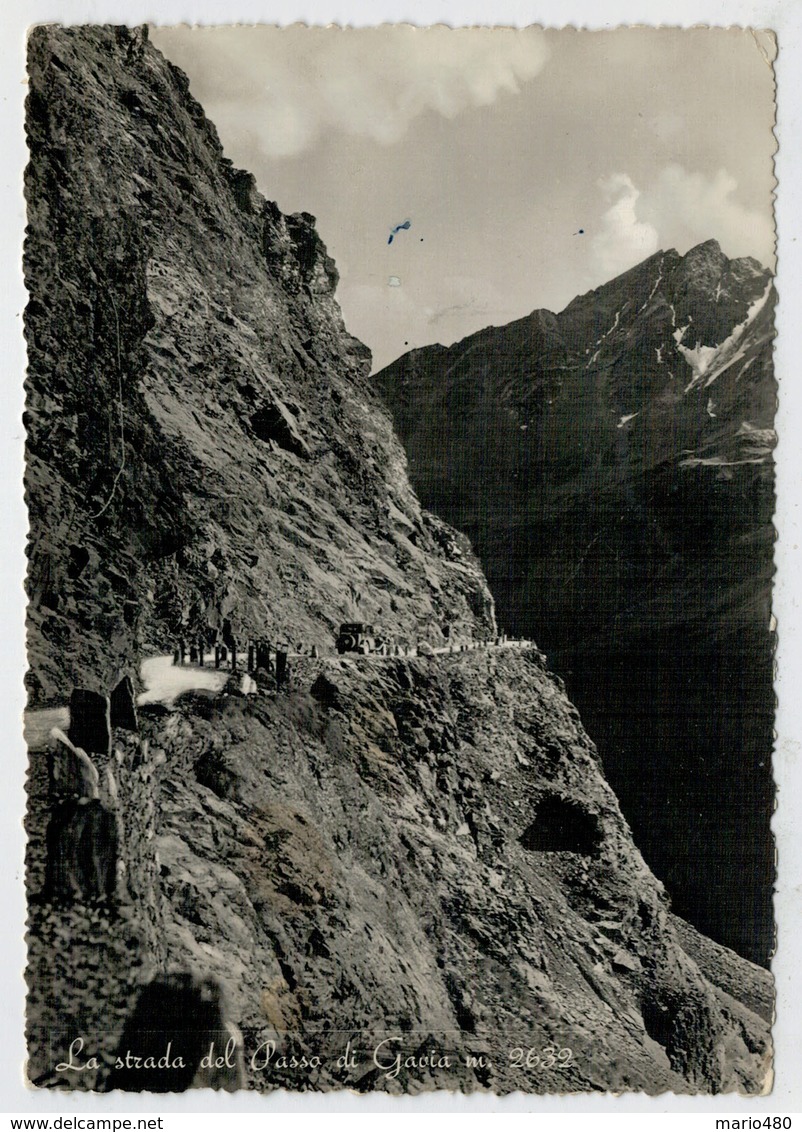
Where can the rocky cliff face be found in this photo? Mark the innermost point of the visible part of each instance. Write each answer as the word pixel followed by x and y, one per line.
pixel 415 859
pixel 203 443
pixel 421 852
pixel 611 465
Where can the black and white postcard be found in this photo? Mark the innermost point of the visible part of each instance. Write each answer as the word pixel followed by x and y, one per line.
pixel 400 416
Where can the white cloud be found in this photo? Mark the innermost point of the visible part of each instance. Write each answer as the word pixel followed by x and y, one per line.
pixel 678 209
pixel 622 240
pixel 288 86
pixel 699 208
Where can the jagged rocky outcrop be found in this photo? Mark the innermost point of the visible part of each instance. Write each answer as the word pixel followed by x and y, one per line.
pixel 421 851
pixel 204 445
pixel 611 465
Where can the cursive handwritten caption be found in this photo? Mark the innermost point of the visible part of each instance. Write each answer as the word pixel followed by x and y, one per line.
pixel 385 1056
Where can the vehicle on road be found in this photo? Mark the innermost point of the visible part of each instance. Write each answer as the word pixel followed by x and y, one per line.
pixel 358 637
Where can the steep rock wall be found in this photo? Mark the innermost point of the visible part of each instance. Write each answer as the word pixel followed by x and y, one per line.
pixel 203 443
pixel 354 860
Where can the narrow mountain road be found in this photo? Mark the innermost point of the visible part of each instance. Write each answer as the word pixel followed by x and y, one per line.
pixel 164 681
pixel 38 725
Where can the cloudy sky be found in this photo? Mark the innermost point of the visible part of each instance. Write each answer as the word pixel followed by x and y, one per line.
pixel 532 166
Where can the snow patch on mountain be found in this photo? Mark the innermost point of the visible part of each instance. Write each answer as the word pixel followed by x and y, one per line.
pixel 607 333
pixel 627 417
pixel 754 435
pixel 699 359
pixel 718 462
pixel 658 281
pixel 753 445
pixel 712 361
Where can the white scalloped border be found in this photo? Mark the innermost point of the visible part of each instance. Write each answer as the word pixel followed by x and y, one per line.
pixel 784 18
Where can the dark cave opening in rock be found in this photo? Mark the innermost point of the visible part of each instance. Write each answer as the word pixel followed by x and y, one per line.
pixel 562 826
pixel 657 1021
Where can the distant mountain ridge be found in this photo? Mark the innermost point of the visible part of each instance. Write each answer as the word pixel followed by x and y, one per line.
pixel 612 466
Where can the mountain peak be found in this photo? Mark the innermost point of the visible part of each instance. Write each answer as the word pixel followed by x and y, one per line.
pixel 709 247
pixel 704 263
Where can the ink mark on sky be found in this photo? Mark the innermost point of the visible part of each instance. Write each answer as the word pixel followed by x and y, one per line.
pixel 398 228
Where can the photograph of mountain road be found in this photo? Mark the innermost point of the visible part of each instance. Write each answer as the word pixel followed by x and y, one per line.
pixel 400 415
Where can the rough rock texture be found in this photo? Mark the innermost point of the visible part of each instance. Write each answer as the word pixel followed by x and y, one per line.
pixel 365 871
pixel 86 960
pixel 203 443
pixel 420 850
pixel 611 465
